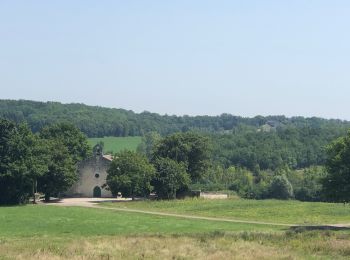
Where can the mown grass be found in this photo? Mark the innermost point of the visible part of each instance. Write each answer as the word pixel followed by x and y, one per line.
pixel 53 232
pixel 28 221
pixel 276 211
pixel 116 144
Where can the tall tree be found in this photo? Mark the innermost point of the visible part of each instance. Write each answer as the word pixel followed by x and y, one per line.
pixel 130 173
pixel 69 135
pixel 281 188
pixel 170 177
pixel 15 185
pixel 67 146
pixel 336 184
pixel 191 149
pixel 37 158
pixel 61 171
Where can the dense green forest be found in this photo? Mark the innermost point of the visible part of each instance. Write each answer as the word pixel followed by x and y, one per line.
pixel 99 121
pixel 294 146
pixel 257 143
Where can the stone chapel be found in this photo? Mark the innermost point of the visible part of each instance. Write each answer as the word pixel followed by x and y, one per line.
pixel 92 174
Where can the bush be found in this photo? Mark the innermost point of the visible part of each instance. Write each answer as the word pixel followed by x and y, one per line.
pixel 280 188
pixel 170 178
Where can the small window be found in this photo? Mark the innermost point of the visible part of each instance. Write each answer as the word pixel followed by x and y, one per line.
pixel 97 175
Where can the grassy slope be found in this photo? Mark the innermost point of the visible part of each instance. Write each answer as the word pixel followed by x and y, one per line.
pixel 116 144
pixel 294 212
pixel 46 232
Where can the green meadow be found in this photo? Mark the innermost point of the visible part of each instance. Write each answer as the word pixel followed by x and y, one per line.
pixel 116 144
pixel 56 232
pixel 273 211
pixel 29 221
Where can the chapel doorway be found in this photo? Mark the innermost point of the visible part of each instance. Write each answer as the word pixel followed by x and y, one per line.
pixel 97 192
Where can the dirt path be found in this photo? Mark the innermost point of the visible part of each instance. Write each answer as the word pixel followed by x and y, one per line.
pixel 94 203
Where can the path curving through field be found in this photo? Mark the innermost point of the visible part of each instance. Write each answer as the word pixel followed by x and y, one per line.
pixel 95 203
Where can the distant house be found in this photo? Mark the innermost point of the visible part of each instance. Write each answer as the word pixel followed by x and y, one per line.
pixel 269 126
pixel 92 174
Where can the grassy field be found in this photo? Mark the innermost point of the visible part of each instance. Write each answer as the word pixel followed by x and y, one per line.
pixel 116 144
pixel 277 211
pixel 52 232
pixel 30 221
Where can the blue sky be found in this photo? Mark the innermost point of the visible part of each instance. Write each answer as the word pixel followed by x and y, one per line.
pixel 180 57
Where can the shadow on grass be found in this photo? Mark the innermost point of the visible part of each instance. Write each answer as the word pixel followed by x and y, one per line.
pixel 300 229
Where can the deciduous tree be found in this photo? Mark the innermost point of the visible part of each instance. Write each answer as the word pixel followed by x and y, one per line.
pixel 14 184
pixel 336 184
pixel 61 171
pixel 130 173
pixel 170 177
pixel 71 137
pixel 280 188
pixel 191 149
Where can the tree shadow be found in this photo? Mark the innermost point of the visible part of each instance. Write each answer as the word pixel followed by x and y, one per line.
pixel 300 229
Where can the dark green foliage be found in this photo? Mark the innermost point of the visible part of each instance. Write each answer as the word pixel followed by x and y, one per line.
pixel 336 185
pixel 37 159
pixel 191 149
pixel 255 143
pixel 280 188
pixel 71 137
pixel 120 122
pixel 171 177
pixel 61 172
pixel 67 146
pixel 130 173
pixel 15 184
pixel 296 147
pixel 26 159
pixel 23 159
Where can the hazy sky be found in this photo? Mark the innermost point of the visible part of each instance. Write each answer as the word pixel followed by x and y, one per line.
pixel 180 57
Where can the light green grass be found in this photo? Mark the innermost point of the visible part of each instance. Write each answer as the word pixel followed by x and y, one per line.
pixel 53 232
pixel 276 211
pixel 117 144
pixel 75 221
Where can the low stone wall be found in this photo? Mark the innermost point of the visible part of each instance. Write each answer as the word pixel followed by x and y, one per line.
pixel 207 195
pixel 201 194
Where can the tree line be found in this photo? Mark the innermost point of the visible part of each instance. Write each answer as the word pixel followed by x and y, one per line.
pixel 96 121
pixel 259 143
pixel 47 161
pixel 329 181
pixel 168 168
pixel 295 147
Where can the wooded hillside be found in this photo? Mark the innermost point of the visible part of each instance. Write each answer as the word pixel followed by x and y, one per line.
pixel 254 143
pixel 99 121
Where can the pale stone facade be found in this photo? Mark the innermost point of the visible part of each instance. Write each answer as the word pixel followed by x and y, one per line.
pixel 92 174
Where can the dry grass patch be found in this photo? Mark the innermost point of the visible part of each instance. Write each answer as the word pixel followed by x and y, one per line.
pixel 141 248
pixel 243 245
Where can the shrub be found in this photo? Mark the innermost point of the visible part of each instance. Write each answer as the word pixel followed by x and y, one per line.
pixel 280 188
